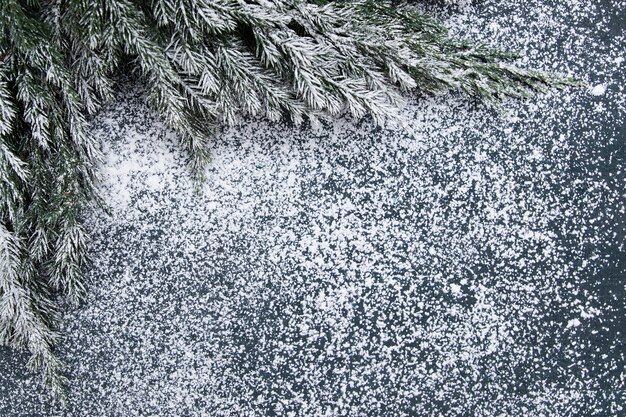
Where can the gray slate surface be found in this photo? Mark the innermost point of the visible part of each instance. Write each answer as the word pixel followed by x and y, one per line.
pixel 468 264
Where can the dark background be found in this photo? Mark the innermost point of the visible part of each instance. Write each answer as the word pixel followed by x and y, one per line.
pixel 245 308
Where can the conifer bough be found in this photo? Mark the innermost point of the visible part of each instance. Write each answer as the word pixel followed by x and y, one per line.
pixel 205 63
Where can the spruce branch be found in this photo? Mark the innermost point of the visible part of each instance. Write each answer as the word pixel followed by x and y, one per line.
pixel 205 63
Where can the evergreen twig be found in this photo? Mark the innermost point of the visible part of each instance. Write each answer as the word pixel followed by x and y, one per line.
pixel 206 62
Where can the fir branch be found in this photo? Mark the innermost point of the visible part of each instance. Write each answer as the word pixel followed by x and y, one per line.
pixel 205 63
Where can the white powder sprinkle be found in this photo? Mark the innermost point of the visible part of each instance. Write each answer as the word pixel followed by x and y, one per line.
pixel 598 90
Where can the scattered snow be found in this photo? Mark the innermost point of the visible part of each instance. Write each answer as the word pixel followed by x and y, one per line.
pixel 354 271
pixel 598 90
pixel 455 289
pixel 573 323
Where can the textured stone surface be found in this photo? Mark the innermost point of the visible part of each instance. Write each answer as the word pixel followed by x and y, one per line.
pixel 470 263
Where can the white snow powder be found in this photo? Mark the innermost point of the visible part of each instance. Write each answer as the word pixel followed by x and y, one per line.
pixel 598 90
